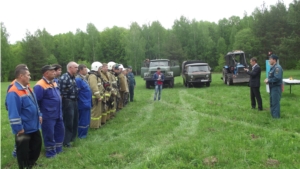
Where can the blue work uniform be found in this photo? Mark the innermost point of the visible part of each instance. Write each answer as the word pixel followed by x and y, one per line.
pixel 84 105
pixel 131 84
pixel 50 103
pixel 275 84
pixel 24 113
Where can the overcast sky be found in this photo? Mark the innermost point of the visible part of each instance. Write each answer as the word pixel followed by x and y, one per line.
pixel 61 16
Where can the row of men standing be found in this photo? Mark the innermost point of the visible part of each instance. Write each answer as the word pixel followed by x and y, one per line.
pixel 62 105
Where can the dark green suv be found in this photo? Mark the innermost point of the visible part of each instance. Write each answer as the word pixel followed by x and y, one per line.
pixel 195 72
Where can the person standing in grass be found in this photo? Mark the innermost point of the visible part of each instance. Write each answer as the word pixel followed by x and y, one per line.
pixel 84 101
pixel 254 84
pixel 97 88
pixel 49 100
pixel 122 89
pixel 131 80
pixel 275 81
pixel 159 79
pixel 25 119
pixel 14 153
pixel 69 94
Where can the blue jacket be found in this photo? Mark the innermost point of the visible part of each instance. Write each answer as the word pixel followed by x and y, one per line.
pixel 131 79
pixel 23 109
pixel 48 98
pixel 84 93
pixel 155 77
pixel 275 76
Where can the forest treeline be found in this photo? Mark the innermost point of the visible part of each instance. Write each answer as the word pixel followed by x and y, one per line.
pixel 275 28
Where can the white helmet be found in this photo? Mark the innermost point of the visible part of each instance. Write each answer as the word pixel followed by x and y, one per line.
pixel 88 70
pixel 95 66
pixel 110 65
pixel 121 66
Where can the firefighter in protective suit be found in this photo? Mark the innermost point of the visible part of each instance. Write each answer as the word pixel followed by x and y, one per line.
pixel 122 87
pixel 107 101
pixel 114 91
pixel 97 88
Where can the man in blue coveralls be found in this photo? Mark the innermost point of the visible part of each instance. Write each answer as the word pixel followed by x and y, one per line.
pixel 50 103
pixel 131 84
pixel 84 101
pixel 275 81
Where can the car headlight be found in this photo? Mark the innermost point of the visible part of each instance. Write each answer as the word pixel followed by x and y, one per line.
pixel 207 75
pixel 192 76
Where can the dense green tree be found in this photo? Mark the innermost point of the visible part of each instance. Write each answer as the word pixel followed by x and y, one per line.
pixel 112 44
pixel 135 44
pixel 35 54
pixel 5 54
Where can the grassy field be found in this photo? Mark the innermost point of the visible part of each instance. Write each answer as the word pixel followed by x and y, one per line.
pixel 203 127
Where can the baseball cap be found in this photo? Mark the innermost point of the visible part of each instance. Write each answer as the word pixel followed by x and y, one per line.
pixel 129 67
pixel 274 57
pixel 46 68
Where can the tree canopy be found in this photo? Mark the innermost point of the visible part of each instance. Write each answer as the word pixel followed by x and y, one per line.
pixel 275 29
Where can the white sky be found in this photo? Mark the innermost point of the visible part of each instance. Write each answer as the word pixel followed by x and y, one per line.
pixel 61 16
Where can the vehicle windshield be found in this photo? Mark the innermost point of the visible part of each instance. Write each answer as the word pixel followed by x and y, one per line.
pixel 237 59
pixel 198 68
pixel 160 63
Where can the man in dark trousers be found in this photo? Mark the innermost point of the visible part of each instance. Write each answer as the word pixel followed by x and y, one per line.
pixel 25 119
pixel 131 79
pixel 254 84
pixel 69 94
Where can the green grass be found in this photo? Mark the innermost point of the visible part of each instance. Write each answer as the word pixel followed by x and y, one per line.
pixel 203 127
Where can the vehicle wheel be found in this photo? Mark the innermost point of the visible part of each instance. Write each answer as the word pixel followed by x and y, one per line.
pixel 171 83
pixel 229 81
pixel 187 84
pixel 207 84
pixel 147 85
pixel 224 77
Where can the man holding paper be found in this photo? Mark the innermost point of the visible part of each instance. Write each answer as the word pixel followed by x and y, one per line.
pixel 254 84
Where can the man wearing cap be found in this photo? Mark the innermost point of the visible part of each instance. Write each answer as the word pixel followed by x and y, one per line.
pixel 69 94
pixel 25 119
pixel 275 82
pixel 49 100
pixel 131 84
pixel 84 101
pixel 159 79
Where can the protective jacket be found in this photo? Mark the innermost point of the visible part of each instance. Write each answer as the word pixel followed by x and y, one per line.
pixel 23 110
pixel 48 98
pixel 84 93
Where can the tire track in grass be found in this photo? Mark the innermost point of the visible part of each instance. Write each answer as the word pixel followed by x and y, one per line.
pixel 144 115
pixel 187 127
pixel 221 118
